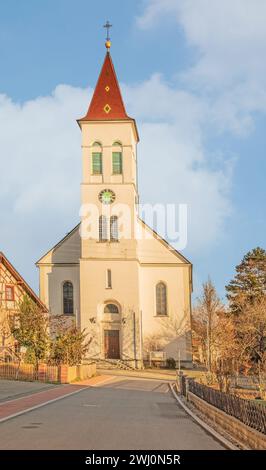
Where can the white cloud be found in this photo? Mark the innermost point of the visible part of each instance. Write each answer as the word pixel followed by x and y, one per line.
pixel 229 71
pixel 172 152
pixel 41 166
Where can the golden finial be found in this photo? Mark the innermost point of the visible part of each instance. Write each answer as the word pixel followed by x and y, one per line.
pixel 107 42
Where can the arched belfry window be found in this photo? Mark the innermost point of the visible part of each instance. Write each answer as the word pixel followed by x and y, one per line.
pixel 117 161
pixel 68 298
pixel 111 308
pixel 96 158
pixel 161 299
pixel 103 235
pixel 114 228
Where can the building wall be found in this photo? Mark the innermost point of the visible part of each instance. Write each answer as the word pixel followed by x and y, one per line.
pixel 138 262
pixel 95 295
pixel 52 278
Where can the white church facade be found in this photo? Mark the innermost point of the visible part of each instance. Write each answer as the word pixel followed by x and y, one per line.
pixel 112 274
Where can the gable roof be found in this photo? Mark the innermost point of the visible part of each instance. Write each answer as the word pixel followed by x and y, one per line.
pixel 9 266
pixel 165 243
pixel 157 236
pixel 57 245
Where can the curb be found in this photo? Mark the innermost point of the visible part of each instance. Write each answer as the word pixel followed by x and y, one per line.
pixel 35 407
pixel 204 425
pixel 47 402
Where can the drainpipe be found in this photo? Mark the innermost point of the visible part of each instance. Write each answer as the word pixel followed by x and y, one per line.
pixel 134 339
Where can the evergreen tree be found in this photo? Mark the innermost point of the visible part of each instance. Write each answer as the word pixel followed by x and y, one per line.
pixel 249 283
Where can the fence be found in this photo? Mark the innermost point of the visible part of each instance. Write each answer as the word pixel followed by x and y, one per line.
pixel 14 371
pixel 46 373
pixel 250 413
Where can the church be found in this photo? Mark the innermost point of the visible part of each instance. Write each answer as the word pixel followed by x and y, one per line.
pixel 112 274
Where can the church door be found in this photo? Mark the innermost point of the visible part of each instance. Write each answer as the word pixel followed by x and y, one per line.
pixel 111 344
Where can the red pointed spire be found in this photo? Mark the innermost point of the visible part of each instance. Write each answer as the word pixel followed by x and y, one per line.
pixel 107 102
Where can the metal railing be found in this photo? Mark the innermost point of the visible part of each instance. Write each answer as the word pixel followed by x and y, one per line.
pixel 250 413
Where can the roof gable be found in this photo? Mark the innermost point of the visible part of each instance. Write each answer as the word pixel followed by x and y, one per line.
pixel 163 242
pixel 47 257
pixel 20 280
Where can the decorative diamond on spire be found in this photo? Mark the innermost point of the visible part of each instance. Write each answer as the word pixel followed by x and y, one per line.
pixel 107 109
pixel 100 108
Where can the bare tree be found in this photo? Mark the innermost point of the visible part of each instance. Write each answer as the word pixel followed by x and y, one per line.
pixel 205 315
pixel 251 335
pixel 224 350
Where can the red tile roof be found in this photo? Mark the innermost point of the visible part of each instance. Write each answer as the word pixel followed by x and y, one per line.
pixel 107 102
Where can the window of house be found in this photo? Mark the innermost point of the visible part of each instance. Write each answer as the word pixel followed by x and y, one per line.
pixel 109 279
pixel 114 228
pixel 103 235
pixel 117 163
pixel 10 293
pixel 111 308
pixel 68 298
pixel 161 299
pixel 96 163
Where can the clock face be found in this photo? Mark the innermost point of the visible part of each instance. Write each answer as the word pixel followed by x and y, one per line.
pixel 107 196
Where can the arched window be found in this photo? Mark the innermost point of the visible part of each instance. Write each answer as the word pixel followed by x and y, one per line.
pixel 103 236
pixel 96 158
pixel 111 308
pixel 117 158
pixel 114 228
pixel 68 299
pixel 161 299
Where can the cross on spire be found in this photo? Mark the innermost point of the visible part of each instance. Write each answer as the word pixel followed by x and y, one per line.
pixel 107 25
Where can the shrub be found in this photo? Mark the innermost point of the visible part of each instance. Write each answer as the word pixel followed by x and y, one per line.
pixel 170 363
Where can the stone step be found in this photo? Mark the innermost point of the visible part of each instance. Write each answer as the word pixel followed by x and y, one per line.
pixel 113 364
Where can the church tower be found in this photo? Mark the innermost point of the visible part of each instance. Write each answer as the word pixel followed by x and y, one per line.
pixel 113 275
pixel 109 198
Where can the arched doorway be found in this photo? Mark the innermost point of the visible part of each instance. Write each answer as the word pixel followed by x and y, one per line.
pixel 111 331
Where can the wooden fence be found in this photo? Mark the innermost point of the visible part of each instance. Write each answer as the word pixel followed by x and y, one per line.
pixel 46 373
pixel 250 413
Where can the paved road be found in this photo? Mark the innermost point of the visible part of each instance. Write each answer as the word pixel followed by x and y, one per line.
pixel 122 413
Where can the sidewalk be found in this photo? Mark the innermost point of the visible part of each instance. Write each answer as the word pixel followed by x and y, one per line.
pixel 11 389
pixel 17 406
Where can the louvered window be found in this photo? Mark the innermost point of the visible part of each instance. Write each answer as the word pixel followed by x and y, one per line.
pixel 96 163
pixel 117 163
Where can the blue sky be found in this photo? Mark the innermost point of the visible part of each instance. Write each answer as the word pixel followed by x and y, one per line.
pixel 193 75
